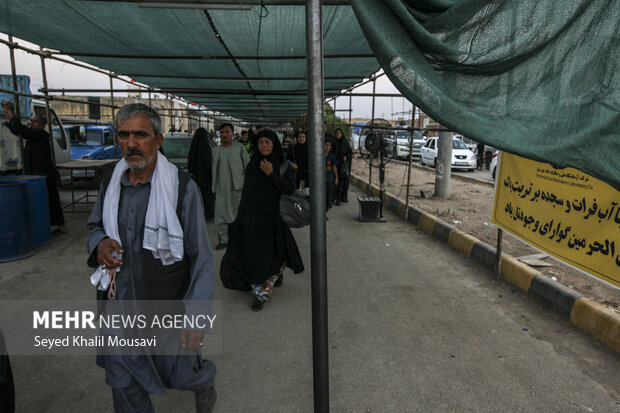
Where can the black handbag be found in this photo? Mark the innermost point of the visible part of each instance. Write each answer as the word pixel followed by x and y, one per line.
pixel 344 171
pixel 230 273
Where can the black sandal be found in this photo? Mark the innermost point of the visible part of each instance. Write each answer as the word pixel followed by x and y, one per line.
pixel 257 305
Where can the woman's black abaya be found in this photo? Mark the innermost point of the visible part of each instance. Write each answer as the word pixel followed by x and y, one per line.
pixel 258 237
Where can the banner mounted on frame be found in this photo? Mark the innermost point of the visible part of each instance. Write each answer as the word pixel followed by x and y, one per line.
pixel 562 211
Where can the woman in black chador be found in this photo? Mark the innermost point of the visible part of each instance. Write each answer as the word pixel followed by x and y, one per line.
pixel 298 155
pixel 199 165
pixel 344 153
pixel 264 244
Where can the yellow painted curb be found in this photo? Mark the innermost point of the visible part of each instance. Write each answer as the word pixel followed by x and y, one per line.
pixel 597 320
pixel 517 273
pixel 462 241
pixel 427 223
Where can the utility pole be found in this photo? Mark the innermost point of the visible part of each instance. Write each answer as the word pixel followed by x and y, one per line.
pixel 444 165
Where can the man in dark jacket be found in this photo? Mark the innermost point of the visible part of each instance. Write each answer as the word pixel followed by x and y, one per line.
pixel 38 159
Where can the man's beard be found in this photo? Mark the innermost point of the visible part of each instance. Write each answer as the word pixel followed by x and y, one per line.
pixel 139 165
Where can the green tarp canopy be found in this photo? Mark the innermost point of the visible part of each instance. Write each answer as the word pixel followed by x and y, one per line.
pixel 248 62
pixel 538 78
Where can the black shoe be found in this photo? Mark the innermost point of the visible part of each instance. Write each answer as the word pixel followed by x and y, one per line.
pixel 205 401
pixel 279 281
pixel 257 305
pixel 221 246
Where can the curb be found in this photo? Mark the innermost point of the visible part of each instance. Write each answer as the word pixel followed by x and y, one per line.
pixel 582 312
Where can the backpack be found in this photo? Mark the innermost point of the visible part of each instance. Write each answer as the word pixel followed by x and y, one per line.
pixel 295 208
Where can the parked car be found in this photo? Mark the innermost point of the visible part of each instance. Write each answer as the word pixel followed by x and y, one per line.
pixel 176 148
pixel 93 142
pixel 462 157
pixel 402 144
pixel 493 166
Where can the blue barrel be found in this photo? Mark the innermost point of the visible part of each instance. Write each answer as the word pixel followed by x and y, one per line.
pixel 15 227
pixel 38 206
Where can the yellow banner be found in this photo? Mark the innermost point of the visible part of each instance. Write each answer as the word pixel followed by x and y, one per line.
pixel 561 211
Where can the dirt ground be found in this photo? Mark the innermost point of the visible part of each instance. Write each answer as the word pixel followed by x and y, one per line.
pixel 469 209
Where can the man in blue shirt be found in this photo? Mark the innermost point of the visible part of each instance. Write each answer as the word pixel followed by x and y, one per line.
pixel 142 275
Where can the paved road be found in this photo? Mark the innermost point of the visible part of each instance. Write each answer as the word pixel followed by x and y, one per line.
pixel 413 328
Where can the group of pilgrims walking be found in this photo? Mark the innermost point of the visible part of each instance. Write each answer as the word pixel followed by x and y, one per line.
pixel 241 182
pixel 148 238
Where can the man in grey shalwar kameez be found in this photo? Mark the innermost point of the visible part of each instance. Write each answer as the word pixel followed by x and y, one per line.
pixel 229 162
pixel 133 377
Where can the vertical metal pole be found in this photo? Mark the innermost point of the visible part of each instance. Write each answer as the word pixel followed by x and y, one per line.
pixel 498 258
pixel 16 96
pixel 112 96
pixel 116 145
pixel 318 240
pixel 444 165
pixel 47 111
pixel 350 112
pixel 334 118
pixel 409 165
pixel 171 114
pixel 150 101
pixel 374 89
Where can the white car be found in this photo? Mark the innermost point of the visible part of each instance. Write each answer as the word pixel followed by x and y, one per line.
pixel 462 157
pixel 402 144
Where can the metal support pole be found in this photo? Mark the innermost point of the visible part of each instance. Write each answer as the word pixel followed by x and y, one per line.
pixel 409 166
pixel 16 96
pixel 150 101
pixel 334 118
pixel 47 112
pixel 116 145
pixel 498 258
pixel 443 165
pixel 350 108
pixel 374 89
pixel 172 123
pixel 318 239
pixel 112 95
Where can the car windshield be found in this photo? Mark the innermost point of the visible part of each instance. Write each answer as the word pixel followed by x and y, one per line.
pixel 458 144
pixel 93 137
pixel 176 148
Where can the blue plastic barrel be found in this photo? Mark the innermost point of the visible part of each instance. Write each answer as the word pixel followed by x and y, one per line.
pixel 15 227
pixel 38 206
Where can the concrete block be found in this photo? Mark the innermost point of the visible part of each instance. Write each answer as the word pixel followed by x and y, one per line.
pixel 461 241
pixel 484 254
pixel 554 295
pixel 427 223
pixel 442 231
pixel 517 273
pixel 597 320
pixel 414 215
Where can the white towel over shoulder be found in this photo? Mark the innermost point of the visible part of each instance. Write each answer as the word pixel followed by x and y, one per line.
pixel 163 234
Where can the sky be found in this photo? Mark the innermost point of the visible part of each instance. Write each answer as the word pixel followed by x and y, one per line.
pixel 64 75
